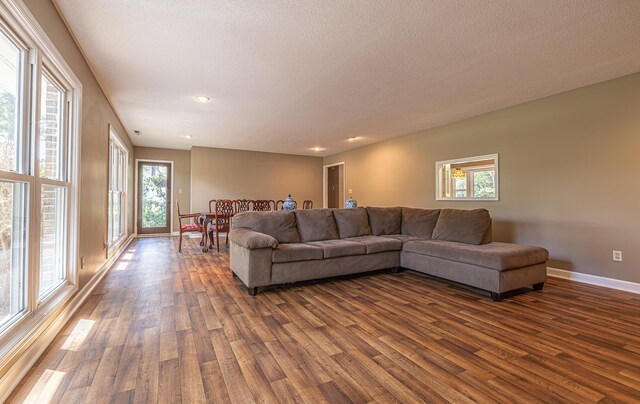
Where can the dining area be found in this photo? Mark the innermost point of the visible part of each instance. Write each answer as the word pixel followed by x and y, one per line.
pixel 220 215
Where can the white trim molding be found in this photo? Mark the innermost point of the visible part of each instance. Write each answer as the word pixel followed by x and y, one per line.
pixel 135 194
pixel 47 333
pixel 325 196
pixel 594 280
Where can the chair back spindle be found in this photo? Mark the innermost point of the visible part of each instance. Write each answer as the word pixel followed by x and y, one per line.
pixel 263 205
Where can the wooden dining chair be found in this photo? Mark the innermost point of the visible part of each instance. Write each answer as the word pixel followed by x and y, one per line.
pixel 212 205
pixel 188 227
pixel 263 205
pixel 241 205
pixel 223 211
pixel 308 204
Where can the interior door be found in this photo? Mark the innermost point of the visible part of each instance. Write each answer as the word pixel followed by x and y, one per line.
pixel 333 186
pixel 154 198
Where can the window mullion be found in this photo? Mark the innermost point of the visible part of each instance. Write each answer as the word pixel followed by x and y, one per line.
pixel 34 131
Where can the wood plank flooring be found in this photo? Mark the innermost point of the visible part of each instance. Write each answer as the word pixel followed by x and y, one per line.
pixel 168 327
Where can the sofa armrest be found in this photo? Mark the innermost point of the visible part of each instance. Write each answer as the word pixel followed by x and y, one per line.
pixel 252 240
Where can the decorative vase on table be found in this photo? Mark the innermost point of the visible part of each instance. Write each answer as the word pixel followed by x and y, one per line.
pixel 350 203
pixel 289 203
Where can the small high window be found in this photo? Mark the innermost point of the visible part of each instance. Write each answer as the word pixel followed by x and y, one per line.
pixel 471 178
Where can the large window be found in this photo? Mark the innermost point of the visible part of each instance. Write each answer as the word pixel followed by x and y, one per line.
pixel 118 159
pixel 38 178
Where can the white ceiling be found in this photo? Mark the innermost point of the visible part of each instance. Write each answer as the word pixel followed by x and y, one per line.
pixel 288 75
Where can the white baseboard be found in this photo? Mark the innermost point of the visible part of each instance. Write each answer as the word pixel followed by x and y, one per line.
pixel 594 280
pixel 29 357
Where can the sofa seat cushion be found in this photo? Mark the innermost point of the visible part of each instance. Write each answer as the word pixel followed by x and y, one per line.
pixel 296 252
pixel 339 248
pixel 316 225
pixel 403 237
pixel 385 220
pixel 497 256
pixel 352 222
pixel 419 222
pixel 463 226
pixel 376 244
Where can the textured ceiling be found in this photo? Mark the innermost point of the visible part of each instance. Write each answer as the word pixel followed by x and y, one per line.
pixel 288 75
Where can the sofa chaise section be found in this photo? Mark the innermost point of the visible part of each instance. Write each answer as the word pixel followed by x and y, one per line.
pixel 494 267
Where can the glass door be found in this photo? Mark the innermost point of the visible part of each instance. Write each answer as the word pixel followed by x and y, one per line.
pixel 154 197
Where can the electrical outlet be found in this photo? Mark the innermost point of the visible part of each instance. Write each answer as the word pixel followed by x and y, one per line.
pixel 350 190
pixel 617 256
pixel 82 262
pixel 180 190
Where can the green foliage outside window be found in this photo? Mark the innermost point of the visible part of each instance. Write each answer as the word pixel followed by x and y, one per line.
pixel 484 184
pixel 154 196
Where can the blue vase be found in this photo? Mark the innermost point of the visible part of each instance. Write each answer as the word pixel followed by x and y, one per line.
pixel 350 203
pixel 289 203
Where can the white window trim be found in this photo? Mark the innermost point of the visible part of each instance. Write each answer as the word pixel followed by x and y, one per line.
pixel 470 186
pixel 17 339
pixel 113 247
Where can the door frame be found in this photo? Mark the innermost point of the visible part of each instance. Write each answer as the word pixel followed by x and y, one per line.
pixel 135 191
pixel 325 193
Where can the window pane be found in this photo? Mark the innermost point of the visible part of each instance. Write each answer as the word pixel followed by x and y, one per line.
pixel 9 100
pixel 51 141
pixel 116 215
pixel 110 221
pixel 154 196
pixel 13 247
pixel 52 237
pixel 484 184
pixel 117 170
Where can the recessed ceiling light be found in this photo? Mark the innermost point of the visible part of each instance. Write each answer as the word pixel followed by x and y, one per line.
pixel 353 139
pixel 188 137
pixel 202 98
pixel 318 149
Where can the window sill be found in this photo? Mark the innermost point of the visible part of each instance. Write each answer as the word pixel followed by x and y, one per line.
pixel 114 248
pixel 30 326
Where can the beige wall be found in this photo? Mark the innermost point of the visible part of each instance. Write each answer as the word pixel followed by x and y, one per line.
pixel 96 115
pixel 224 173
pixel 181 175
pixel 568 174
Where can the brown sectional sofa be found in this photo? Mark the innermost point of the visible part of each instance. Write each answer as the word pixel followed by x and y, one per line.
pixel 270 248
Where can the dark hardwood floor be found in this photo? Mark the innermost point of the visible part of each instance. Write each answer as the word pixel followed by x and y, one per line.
pixel 169 327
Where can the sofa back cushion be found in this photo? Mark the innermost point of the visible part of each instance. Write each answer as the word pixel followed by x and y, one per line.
pixel 316 225
pixel 280 225
pixel 352 222
pixel 385 220
pixel 419 222
pixel 463 226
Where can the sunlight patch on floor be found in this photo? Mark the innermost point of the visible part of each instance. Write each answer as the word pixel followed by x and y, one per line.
pixel 46 387
pixel 121 266
pixel 78 335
